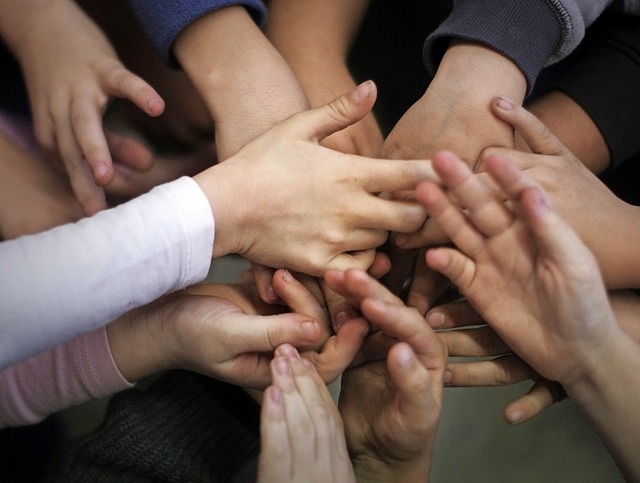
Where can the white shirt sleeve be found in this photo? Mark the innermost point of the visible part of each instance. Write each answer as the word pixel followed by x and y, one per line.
pixel 77 277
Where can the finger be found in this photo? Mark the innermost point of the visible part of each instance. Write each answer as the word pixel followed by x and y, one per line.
pixel 383 175
pixel 501 371
pixel 317 124
pixel 554 237
pixel 453 264
pixel 356 285
pixel 256 333
pixel 122 83
pixel 295 295
pixel 340 350
pixel 274 437
pixel 543 394
pixel 537 136
pixel 129 152
pixel 451 220
pixel 428 234
pixel 380 266
pixel 488 215
pixel 405 324
pixel 390 215
pixel 359 259
pixel 264 283
pixel 300 428
pixel 90 196
pixel 419 390
pixel 478 342
pixel 87 127
pixel 426 287
pixel 339 308
pixel 453 314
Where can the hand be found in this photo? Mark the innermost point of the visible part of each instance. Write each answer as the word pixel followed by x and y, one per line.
pixel 285 201
pixel 33 195
pixel 391 411
pixel 526 273
pixel 492 362
pixel 605 223
pixel 302 439
pixel 72 74
pixel 221 331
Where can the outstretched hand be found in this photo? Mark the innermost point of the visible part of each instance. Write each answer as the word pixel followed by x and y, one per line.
pixel 71 80
pixel 391 409
pixel 284 201
pixel 523 270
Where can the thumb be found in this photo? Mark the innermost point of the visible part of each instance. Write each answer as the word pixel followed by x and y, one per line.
pixel 342 112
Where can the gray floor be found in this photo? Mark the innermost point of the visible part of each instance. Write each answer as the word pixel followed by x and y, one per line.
pixel 474 443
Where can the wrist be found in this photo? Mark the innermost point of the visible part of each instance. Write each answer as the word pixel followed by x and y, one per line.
pixel 138 345
pixel 372 470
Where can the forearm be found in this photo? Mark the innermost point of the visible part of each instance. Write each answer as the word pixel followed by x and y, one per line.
pixel 245 82
pixel 69 374
pixel 609 401
pixel 315 34
pixel 576 129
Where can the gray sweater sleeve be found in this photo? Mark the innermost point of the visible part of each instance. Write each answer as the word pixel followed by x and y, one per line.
pixel 532 33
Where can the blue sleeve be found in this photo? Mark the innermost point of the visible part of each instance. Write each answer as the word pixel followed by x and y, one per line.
pixel 164 20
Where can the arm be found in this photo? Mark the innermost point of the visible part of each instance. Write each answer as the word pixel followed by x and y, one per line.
pixel 72 74
pixel 315 38
pixel 242 79
pixel 210 329
pixel 552 309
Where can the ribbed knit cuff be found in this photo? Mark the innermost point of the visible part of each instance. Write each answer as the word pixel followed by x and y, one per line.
pixel 528 32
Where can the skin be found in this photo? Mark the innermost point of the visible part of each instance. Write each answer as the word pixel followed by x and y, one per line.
pixel 528 274
pixel 71 82
pixel 328 211
pixel 392 438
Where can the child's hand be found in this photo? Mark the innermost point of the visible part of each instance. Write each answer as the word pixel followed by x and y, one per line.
pixel 302 439
pixel 72 74
pixel 524 271
pixel 391 411
pixel 217 330
pixel 285 201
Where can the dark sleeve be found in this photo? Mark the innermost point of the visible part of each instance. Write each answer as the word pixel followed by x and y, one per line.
pixel 163 21
pixel 603 77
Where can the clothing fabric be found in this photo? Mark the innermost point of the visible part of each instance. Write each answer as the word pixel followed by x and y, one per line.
pixel 185 427
pixel 603 77
pixel 77 371
pixel 78 277
pixel 163 21
pixel 539 33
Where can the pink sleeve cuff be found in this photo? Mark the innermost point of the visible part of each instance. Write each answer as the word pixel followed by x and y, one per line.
pixel 68 374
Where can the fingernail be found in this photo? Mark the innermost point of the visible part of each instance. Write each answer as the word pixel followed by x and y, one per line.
pixel 101 170
pixel 282 367
pixel 435 320
pixel 406 359
pixel 363 91
pixel 286 276
pixel 401 239
pixel 447 377
pixel 289 351
pixel 154 105
pixel 309 330
pixel 276 394
pixel 505 104
pixel 270 293
pixel 514 417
